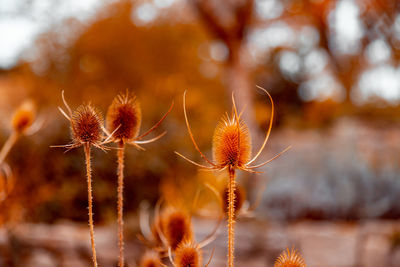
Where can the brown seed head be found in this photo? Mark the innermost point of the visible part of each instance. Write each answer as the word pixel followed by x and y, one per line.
pixel 150 259
pixel 188 255
pixel 24 117
pixel 176 226
pixel 290 259
pixel 240 197
pixel 86 125
pixel 231 143
pixel 124 113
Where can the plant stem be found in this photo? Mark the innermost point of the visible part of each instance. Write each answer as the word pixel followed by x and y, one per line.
pixel 231 216
pixel 90 199
pixel 8 145
pixel 120 205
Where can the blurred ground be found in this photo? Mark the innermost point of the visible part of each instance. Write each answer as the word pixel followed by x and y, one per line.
pixel 258 243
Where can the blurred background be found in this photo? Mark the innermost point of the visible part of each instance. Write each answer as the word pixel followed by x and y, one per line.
pixel 331 66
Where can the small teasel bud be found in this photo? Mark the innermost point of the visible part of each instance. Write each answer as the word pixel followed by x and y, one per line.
pixel 188 254
pixel 176 227
pixel 125 114
pixel 86 125
pixel 290 258
pixel 24 117
pixel 231 143
pixel 150 259
pixel 240 197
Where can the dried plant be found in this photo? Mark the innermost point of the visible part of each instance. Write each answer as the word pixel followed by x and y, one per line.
pixel 23 122
pixel 290 258
pixel 175 226
pixel 170 228
pixel 124 118
pixel 188 253
pixel 231 151
pixel 87 131
pixel 150 259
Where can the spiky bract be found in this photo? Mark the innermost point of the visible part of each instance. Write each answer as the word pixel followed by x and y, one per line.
pixel 231 143
pixel 188 255
pixel 125 113
pixel 86 125
pixel 290 258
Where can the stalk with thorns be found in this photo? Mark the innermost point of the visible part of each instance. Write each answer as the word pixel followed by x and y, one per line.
pixel 124 119
pixel 86 124
pixel 232 151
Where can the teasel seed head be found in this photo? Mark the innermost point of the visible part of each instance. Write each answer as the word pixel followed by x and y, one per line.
pixel 150 259
pixel 125 113
pixel 240 197
pixel 176 227
pixel 290 258
pixel 24 117
pixel 231 143
pixel 188 254
pixel 86 123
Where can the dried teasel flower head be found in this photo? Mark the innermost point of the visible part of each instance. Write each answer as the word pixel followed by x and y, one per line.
pixel 175 226
pixel 150 259
pixel 124 116
pixel 86 125
pixel 290 258
pixel 188 254
pixel 24 117
pixel 231 142
pixel 239 198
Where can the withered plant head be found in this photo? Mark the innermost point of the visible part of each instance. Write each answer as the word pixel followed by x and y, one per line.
pixel 124 118
pixel 150 259
pixel 176 226
pixel 24 117
pixel 86 124
pixel 188 254
pixel 290 258
pixel 232 142
pixel 240 197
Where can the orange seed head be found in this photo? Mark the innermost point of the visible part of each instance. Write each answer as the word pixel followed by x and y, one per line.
pixel 290 259
pixel 188 255
pixel 24 117
pixel 176 226
pixel 231 143
pixel 86 125
pixel 150 259
pixel 124 113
